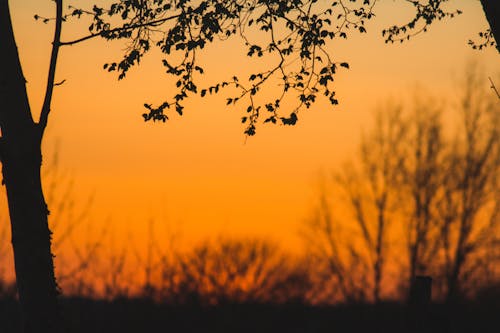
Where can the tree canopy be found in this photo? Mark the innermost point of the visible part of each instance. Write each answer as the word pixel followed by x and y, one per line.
pixel 293 35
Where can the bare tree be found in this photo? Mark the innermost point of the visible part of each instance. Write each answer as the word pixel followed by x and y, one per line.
pixel 470 207
pixel 423 170
pixel 442 192
pixel 371 189
pixel 340 270
pixel 368 184
pixel 234 271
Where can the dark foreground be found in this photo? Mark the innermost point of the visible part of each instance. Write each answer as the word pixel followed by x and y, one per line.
pixel 127 315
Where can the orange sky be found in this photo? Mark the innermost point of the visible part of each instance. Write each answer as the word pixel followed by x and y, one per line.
pixel 197 173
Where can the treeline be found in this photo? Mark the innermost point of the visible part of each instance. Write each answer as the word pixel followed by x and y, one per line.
pixel 420 197
pixel 229 271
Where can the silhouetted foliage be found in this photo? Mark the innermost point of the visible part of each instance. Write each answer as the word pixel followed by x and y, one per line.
pixel 282 32
pixel 486 39
pixel 295 38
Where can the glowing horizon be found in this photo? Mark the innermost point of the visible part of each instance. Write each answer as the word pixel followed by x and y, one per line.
pixel 198 173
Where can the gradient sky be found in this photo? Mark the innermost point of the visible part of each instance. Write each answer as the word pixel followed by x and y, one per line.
pixel 198 173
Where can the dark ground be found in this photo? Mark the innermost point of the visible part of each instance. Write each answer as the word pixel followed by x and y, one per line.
pixel 135 315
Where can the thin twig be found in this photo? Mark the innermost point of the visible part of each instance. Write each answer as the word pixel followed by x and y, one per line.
pixel 494 88
pixel 124 28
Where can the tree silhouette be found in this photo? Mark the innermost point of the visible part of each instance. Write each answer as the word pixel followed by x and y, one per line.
pixel 415 192
pixel 340 272
pixel 451 185
pixel 293 29
pixel 371 189
pixel 422 171
pixel 233 271
pixel 469 209
pixel 368 187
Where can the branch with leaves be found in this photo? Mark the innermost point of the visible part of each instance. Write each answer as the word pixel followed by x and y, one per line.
pixel 426 13
pixel 486 40
pixel 292 35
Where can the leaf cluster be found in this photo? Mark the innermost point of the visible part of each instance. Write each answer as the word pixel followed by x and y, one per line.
pixel 291 35
pixel 486 40
pixel 426 13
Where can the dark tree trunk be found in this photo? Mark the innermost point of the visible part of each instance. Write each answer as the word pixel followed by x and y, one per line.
pixel 492 11
pixel 21 162
pixel 377 268
pixel 453 283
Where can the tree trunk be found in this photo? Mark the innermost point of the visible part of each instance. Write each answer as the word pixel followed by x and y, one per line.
pixel 492 11
pixel 21 162
pixel 453 283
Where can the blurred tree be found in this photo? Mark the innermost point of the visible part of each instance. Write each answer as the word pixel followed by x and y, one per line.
pixel 340 271
pixel 233 271
pixel 293 29
pixel 370 190
pixel 470 206
pixel 368 186
pixel 449 189
pixel 441 193
pixel 422 176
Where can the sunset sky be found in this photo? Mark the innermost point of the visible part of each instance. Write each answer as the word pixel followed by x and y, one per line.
pixel 198 174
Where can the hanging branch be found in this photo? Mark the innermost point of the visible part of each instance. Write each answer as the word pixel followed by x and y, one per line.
pixel 52 68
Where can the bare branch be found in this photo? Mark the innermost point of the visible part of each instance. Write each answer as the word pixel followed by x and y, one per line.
pixel 52 68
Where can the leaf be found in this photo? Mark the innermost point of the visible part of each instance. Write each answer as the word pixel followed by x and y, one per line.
pixel 292 120
pixel 250 130
pixel 271 119
pixel 179 109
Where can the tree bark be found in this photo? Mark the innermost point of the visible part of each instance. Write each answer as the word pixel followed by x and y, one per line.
pixel 20 148
pixel 492 11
